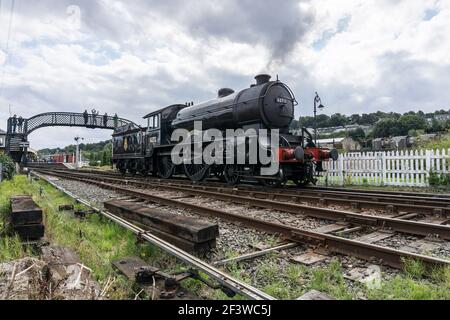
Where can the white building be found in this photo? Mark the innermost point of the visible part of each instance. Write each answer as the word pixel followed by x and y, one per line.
pixel 2 140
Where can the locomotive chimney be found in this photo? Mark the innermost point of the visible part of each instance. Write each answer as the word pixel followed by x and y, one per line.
pixel 262 79
pixel 224 92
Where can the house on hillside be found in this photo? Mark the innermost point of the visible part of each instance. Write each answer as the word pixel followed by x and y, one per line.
pixel 330 143
pixel 401 142
pixel 439 117
pixel 334 130
pixel 349 128
pixel 380 144
pixel 346 144
pixel 32 155
pixel 442 117
pixel 394 143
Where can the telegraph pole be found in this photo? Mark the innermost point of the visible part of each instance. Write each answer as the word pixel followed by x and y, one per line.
pixel 78 155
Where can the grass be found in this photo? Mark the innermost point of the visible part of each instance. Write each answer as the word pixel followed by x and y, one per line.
pixel 293 280
pixel 366 186
pixel 96 240
pixel 412 286
pixel 436 144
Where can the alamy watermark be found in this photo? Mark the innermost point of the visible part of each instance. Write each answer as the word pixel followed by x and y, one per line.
pixel 237 147
pixel 73 17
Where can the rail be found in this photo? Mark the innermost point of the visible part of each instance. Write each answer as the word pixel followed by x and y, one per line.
pixel 219 276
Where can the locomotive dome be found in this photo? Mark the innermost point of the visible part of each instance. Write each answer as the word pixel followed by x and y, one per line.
pixel 270 103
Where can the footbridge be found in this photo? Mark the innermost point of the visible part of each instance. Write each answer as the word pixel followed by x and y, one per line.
pixel 18 128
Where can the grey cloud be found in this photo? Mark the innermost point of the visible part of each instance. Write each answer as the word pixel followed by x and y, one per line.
pixel 97 18
pixel 277 25
pixel 410 84
pixel 414 83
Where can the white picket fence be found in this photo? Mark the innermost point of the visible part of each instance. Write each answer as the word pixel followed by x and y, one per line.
pixel 389 168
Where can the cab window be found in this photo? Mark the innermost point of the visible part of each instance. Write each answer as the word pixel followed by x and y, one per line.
pixel 154 122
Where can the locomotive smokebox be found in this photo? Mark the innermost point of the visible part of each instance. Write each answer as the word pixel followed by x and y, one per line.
pixel 262 79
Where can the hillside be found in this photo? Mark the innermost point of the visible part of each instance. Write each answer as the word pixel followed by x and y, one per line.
pixel 88 148
pixel 383 124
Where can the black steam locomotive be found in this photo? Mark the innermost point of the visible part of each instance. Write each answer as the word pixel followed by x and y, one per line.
pixel 265 105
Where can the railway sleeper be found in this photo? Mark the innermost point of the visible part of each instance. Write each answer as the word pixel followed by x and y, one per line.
pixel 190 234
pixel 25 218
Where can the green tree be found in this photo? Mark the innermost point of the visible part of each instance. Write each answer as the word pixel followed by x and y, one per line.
pixel 447 124
pixel 355 119
pixel 436 127
pixel 93 159
pixel 104 158
pixel 368 119
pixel 385 128
pixel 357 135
pixel 412 122
pixel 323 121
pixel 295 125
pixel 338 120
pixel 8 167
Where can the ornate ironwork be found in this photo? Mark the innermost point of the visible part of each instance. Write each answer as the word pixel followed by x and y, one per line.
pixel 64 119
pixel 18 129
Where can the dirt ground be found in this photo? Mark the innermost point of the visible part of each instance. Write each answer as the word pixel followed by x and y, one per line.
pixel 57 275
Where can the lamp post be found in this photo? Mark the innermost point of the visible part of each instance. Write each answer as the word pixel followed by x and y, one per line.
pixel 317 105
pixel 78 155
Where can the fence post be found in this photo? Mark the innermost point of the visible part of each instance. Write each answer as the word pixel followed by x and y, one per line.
pixel 1 172
pixel 341 170
pixel 383 168
pixel 428 154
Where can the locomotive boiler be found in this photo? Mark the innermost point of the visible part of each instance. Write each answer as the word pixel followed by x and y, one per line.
pixel 265 105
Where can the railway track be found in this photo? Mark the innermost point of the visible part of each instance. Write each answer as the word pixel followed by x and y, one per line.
pixel 394 205
pixel 264 200
pixel 221 277
pixel 333 243
pixel 335 190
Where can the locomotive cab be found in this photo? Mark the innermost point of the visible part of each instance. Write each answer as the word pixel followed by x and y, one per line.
pixel 127 148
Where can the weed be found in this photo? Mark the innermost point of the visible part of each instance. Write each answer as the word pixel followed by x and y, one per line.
pixel 414 268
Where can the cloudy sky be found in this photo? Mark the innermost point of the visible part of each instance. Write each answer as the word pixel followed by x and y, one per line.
pixel 133 57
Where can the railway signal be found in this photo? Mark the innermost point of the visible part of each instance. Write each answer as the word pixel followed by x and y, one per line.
pixel 78 155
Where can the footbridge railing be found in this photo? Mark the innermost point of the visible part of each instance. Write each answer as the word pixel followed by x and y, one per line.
pixel 64 119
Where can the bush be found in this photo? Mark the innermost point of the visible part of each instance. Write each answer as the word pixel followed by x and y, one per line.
pixel 9 168
pixel 439 179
